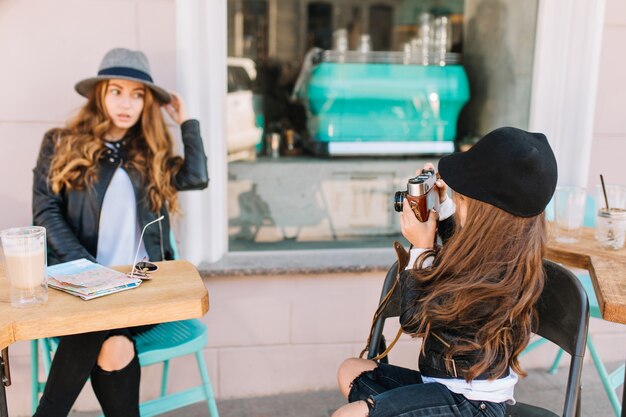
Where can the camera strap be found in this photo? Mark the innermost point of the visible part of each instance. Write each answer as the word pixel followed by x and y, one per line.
pixel 403 260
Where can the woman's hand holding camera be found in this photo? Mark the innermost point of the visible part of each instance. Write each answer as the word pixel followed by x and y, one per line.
pixel 419 234
pixel 422 234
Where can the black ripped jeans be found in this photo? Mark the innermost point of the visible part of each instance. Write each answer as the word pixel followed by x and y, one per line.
pixel 75 360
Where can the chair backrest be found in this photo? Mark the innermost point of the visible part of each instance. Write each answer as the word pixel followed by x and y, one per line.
pixel 563 312
pixel 563 309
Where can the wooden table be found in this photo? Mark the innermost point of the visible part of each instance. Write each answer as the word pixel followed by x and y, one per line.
pixel 175 293
pixel 608 274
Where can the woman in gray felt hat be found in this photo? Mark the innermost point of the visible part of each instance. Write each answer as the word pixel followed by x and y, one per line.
pixel 98 182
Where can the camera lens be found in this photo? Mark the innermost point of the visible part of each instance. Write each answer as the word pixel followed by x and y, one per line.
pixel 398 200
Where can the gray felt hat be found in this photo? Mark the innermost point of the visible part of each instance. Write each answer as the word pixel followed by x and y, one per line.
pixel 122 63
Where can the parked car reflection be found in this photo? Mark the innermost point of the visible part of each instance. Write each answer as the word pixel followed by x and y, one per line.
pixel 242 130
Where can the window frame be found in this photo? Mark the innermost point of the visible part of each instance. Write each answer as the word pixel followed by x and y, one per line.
pixel 564 82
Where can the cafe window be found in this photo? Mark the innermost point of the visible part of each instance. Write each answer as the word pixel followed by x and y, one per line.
pixel 248 22
pixel 319 25
pixel 333 105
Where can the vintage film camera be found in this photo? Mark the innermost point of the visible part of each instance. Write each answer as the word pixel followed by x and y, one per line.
pixel 421 195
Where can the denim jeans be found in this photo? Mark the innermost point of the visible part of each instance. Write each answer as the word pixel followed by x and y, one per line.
pixel 392 391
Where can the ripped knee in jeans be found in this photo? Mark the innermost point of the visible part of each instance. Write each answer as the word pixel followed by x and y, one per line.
pixel 371 403
pixel 117 351
pixel 364 386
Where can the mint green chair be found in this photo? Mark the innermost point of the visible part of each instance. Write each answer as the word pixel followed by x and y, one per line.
pixel 610 381
pixel 159 344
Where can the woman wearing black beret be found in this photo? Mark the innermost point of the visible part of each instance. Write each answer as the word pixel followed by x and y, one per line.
pixel 472 300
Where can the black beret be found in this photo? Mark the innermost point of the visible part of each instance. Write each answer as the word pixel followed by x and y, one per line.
pixel 509 168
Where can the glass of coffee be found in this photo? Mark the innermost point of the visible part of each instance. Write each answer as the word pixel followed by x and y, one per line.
pixel 611 228
pixel 24 262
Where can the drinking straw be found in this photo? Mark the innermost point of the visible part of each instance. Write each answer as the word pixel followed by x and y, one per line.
pixel 606 199
pixel 132 273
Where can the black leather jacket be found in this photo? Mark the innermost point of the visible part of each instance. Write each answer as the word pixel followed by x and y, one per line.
pixel 71 218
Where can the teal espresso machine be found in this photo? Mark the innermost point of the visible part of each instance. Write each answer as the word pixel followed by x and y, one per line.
pixel 381 102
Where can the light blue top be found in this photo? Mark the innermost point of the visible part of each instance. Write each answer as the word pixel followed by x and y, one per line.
pixel 118 230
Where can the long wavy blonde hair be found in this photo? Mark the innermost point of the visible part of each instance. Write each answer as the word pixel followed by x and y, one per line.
pixel 81 145
pixel 485 281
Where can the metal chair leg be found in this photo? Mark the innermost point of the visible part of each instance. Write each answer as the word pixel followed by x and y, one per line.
pixel 604 377
pixel 206 384
pixel 5 380
pixel 555 365
pixel 165 376
pixel 34 374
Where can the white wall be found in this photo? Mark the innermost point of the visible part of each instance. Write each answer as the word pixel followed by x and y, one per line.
pixel 608 153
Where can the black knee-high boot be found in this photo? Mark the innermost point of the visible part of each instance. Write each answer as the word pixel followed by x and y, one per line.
pixel 73 361
pixel 118 391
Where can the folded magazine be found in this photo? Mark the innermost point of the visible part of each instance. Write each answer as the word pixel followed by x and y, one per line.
pixel 88 280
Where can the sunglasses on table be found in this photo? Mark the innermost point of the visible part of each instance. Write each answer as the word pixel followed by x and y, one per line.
pixel 143 270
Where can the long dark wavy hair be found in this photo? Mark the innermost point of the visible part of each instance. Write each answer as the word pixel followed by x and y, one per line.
pixel 485 282
pixel 82 144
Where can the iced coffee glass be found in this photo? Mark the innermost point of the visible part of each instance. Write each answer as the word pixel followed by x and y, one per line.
pixel 24 262
pixel 611 228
